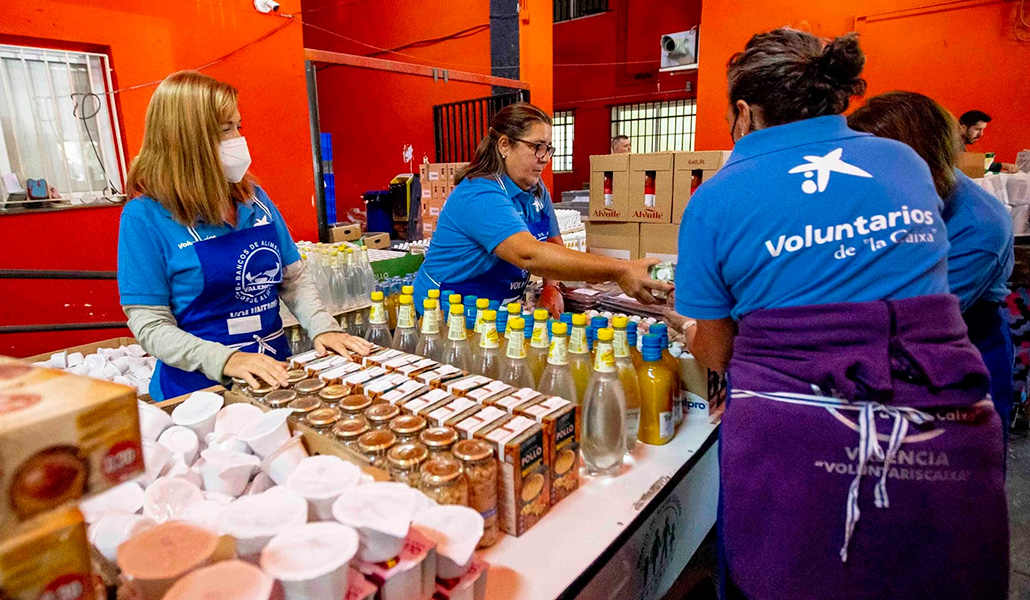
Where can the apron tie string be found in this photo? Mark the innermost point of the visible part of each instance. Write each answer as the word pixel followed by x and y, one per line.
pixel 262 342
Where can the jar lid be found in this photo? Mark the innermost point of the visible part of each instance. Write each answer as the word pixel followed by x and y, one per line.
pixel 408 424
pixel 305 404
pixel 324 417
pixel 380 413
pixel 295 376
pixel 439 471
pixel 262 388
pixel 239 381
pixel 355 403
pixel 280 398
pixel 333 393
pixel 472 450
pixel 438 437
pixel 406 456
pixel 309 386
pixel 350 429
pixel 376 441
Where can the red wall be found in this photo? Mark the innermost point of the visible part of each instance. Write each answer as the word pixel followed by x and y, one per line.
pixel 963 54
pixel 146 41
pixel 627 33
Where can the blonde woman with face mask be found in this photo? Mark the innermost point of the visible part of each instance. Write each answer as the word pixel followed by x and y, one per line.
pixel 204 257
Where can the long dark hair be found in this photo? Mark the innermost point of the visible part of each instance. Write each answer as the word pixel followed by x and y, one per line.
pixel 920 122
pixel 513 121
pixel 792 75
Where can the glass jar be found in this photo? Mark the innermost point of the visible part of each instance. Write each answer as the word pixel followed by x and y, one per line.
pixel 438 440
pixel 480 466
pixel 263 389
pixel 332 394
pixel 279 398
pixel 302 406
pixel 349 430
pixel 323 418
pixel 405 461
pixel 408 427
pixel 309 387
pixel 375 444
pixel 295 376
pixel 442 480
pixel 239 385
pixel 355 405
pixel 380 415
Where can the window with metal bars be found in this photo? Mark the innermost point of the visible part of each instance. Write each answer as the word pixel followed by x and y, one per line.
pixel 656 126
pixel 58 123
pixel 572 9
pixel 563 133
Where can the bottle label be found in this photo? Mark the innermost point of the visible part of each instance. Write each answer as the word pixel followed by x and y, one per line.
pixel 430 322
pixel 489 338
pixel 559 352
pixel 666 424
pixel 578 341
pixel 620 344
pixel 456 328
pixel 605 360
pixel 406 316
pixel 633 419
pixel 377 315
pixel 540 335
pixel 516 346
pixel 479 323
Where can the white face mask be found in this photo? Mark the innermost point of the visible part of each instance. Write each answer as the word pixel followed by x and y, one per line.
pixel 235 158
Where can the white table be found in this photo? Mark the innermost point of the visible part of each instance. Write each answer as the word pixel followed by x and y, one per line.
pixel 624 537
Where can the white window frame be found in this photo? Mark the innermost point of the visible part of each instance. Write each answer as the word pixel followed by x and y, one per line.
pixel 73 174
pixel 657 126
pixel 564 135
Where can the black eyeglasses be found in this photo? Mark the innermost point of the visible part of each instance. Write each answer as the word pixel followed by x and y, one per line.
pixel 543 151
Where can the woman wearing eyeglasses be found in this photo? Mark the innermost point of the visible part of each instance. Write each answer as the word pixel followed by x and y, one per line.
pixel 498 226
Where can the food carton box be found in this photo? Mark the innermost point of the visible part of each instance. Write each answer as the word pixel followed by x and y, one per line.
pixel 495 390
pixel 406 391
pixel 561 451
pixel 47 558
pixel 427 403
pixel 483 420
pixel 453 412
pixel 523 489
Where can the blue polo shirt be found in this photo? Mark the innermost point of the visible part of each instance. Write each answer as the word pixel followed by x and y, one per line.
pixel 157 264
pixel 479 214
pixel 807 213
pixel 980 231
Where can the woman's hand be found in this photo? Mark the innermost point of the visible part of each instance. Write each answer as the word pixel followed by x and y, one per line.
pixel 635 280
pixel 342 344
pixel 251 366
pixel 551 299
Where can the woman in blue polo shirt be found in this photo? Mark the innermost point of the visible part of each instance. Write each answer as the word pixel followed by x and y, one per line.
pixel 860 457
pixel 203 254
pixel 981 259
pixel 498 226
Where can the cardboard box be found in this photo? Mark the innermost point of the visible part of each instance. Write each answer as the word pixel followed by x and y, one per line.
pixel 431 209
pixel 522 397
pixel 523 489
pixel 481 421
pixel 436 172
pixel 609 187
pixel 405 392
pixel 427 402
pixel 453 412
pixel 376 241
pixel 345 233
pixel 62 437
pixel 704 390
pixel 650 187
pixel 440 190
pixel 557 416
pixel 973 164
pixel 495 390
pixel 47 558
pixel 690 170
pixel 617 240
pixel 660 241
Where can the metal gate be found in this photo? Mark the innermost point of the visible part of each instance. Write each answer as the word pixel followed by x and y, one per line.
pixel 461 125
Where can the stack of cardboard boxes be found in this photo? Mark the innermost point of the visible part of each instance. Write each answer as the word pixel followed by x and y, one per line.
pixel 437 183
pixel 637 200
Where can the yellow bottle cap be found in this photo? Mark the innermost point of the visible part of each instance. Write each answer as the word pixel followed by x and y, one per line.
pixel 540 314
pixel 517 323
pixel 408 289
pixel 433 294
pixel 620 322
pixel 579 320
pixel 482 303
pixel 558 328
pixel 457 309
pixel 605 335
pixel 350 250
pixel 377 296
pixel 429 304
pixel 454 299
pixel 514 308
pixel 489 315
pixel 406 299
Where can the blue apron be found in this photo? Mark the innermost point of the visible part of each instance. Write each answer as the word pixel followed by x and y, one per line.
pixel 504 282
pixel 239 305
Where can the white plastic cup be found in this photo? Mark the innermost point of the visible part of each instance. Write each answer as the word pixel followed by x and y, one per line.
pixel 152 421
pixel 75 359
pixel 456 530
pixel 235 417
pixel 181 470
pixel 181 441
pixel 254 520
pixel 206 513
pixel 321 480
pixel 124 498
pixel 381 513
pixel 156 459
pixel 227 472
pixel 268 433
pixel 283 461
pixel 198 412
pixel 167 498
pixel 311 561
pixel 114 528
pixel 226 441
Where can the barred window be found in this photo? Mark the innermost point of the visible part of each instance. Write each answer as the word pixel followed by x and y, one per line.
pixel 571 9
pixel 563 133
pixel 656 126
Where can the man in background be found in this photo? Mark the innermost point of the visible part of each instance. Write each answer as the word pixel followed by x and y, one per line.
pixel 971 125
pixel 621 145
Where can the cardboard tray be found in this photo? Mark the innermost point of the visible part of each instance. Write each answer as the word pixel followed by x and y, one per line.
pixel 89 349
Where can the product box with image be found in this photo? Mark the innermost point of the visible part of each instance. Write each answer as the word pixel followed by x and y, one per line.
pixel 617 240
pixel 650 187
pixel 523 489
pixel 48 557
pixel 690 170
pixel 62 437
pixel 557 416
pixel 609 187
pixel 660 241
pixel 704 390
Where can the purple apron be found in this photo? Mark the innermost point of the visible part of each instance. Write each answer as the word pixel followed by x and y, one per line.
pixel 860 456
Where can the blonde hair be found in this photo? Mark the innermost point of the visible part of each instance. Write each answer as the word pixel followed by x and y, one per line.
pixel 179 164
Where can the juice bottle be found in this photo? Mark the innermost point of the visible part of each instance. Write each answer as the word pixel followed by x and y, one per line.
pixel 514 368
pixel 482 305
pixel 604 413
pixel 486 357
pixel 378 326
pixel 405 338
pixel 456 351
pixel 556 380
pixel 430 343
pixel 631 339
pixel 673 364
pixel 628 377
pixel 539 344
pixel 657 425
pixel 579 355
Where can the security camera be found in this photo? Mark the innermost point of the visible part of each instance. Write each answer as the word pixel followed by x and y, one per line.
pixel 266 6
pixel 674 46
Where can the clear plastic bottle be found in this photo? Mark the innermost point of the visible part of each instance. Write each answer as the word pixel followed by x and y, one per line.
pixel 579 356
pixel 430 342
pixel 514 368
pixel 405 338
pixel 366 270
pixel 482 305
pixel 435 295
pixel 657 424
pixel 486 356
pixel 673 364
pixel 322 275
pixel 445 303
pixel 514 311
pixel 392 289
pixel 604 413
pixel 539 344
pixel 456 350
pixel 556 380
pixel 378 323
pixel 451 301
pixel 596 324
pixel 356 293
pixel 628 377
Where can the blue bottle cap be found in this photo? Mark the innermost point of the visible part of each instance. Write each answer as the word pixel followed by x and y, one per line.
pixel 652 350
pixel 599 322
pixel 495 304
pixel 470 301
